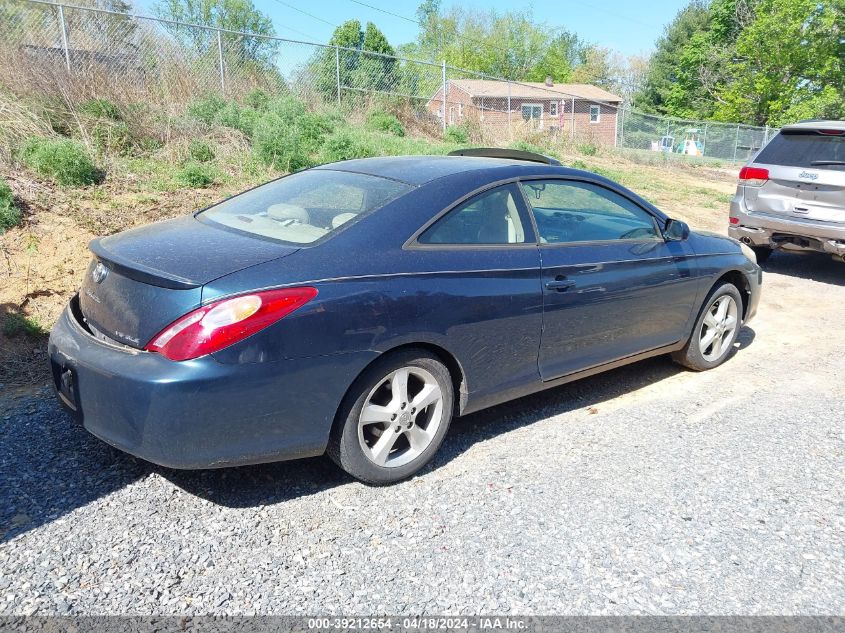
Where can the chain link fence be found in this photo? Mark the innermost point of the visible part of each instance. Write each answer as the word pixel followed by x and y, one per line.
pixel 84 53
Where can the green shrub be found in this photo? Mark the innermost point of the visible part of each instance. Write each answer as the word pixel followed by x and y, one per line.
pixel 10 215
pixel 237 117
pixel 288 135
pixel 587 149
pixel 384 122
pixel 578 164
pixel 287 108
pixel 348 143
pixel 257 100
pixel 205 109
pixel 64 161
pixel 200 151
pixel 314 129
pixel 149 144
pixel 17 324
pixel 100 108
pixel 196 175
pixel 279 144
pixel 112 136
pixel 456 134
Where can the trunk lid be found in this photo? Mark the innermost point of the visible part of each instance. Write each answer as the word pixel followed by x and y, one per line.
pixel 806 164
pixel 798 192
pixel 143 279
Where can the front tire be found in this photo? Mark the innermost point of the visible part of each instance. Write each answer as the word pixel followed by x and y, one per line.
pixel 394 418
pixel 715 331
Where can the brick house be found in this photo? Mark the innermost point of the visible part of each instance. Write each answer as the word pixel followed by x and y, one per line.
pixel 541 106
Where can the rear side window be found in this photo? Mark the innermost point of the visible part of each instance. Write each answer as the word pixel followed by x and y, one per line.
pixel 805 149
pixel 573 211
pixel 491 217
pixel 305 207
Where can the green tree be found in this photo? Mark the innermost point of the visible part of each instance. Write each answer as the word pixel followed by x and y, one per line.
pixel 750 61
pixel 599 66
pixel 664 66
pixel 232 15
pixel 563 53
pixel 789 64
pixel 376 71
pixel 508 44
pixel 356 69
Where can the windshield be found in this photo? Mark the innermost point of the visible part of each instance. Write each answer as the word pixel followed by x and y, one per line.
pixel 305 207
pixel 805 149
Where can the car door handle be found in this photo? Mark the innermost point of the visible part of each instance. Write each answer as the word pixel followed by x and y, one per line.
pixel 560 284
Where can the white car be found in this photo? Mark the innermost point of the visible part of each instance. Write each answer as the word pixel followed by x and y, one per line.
pixel 791 195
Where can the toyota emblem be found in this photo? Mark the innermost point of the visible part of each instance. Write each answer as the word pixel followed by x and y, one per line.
pixel 99 273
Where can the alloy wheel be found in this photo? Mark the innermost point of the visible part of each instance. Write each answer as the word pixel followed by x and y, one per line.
pixel 717 330
pixel 400 417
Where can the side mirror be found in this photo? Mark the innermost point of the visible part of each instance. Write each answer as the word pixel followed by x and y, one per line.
pixel 676 231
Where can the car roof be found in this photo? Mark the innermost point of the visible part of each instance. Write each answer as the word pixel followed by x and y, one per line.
pixel 418 170
pixel 816 125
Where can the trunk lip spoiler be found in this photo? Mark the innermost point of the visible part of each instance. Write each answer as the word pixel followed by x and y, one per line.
pixel 140 272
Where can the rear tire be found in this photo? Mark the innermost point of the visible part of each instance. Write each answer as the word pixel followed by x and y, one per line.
pixel 715 332
pixel 762 252
pixel 394 418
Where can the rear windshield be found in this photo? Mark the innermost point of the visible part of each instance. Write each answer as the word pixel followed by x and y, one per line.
pixel 804 149
pixel 305 207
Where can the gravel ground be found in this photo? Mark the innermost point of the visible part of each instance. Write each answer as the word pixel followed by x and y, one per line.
pixel 649 489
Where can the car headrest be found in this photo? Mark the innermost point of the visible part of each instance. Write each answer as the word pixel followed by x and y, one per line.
pixel 288 212
pixel 342 218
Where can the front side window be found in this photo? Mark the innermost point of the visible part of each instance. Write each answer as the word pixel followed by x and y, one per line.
pixel 553 108
pixel 491 217
pixel 595 114
pixel 306 206
pixel 572 211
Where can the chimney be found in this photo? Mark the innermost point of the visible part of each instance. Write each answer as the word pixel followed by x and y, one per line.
pixel 549 82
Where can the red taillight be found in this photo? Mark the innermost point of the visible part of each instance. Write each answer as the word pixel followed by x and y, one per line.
pixel 223 323
pixel 832 132
pixel 753 176
pixel 734 220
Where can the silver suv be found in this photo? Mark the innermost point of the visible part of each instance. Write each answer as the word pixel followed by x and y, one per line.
pixel 791 195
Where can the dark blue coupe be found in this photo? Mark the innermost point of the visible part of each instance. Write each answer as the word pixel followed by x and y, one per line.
pixel 356 307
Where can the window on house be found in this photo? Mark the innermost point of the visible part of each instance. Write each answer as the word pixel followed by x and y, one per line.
pixel 451 115
pixel 595 114
pixel 460 110
pixel 553 108
pixel 532 111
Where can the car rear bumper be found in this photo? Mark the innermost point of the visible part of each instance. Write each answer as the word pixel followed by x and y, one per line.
pixel 763 229
pixel 199 413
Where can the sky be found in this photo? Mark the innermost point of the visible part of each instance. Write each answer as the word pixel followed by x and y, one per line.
pixel 627 26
